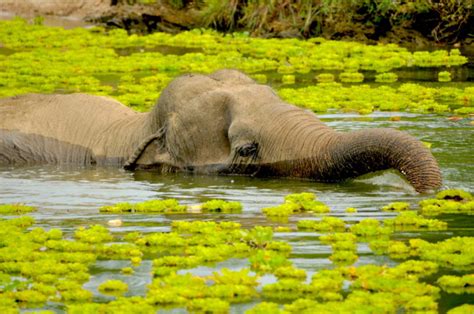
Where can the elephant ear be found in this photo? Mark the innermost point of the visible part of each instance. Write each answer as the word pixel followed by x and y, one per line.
pixel 150 152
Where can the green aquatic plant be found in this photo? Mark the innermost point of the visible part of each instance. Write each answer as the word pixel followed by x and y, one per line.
pixel 178 262
pixel 221 206
pixel 230 277
pixel 448 201
pixel 396 207
pixel 52 59
pixel 444 76
pixel 462 309
pixel 410 220
pixel 343 257
pixel 326 224
pixel 325 78
pixel 388 77
pixel 454 252
pixel 282 210
pixel 351 77
pixel 260 78
pixel 433 207
pixel 265 308
pixel 77 295
pixel 113 287
pixel 351 210
pixel 287 289
pixel 264 261
pixel 425 304
pixel 369 228
pixel 290 272
pixel 167 206
pixel 93 234
pixel 288 79
pixel 297 203
pixel 208 305
pixel 16 209
pixel 457 284
pixel 455 195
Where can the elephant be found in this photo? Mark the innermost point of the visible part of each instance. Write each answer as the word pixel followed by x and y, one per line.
pixel 223 123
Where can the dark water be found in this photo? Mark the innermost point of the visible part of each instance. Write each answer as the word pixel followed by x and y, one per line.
pixel 69 197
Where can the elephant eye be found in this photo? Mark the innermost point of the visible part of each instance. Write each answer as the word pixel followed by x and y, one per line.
pixel 248 150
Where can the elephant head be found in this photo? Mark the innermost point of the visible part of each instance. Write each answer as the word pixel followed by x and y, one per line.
pixel 225 123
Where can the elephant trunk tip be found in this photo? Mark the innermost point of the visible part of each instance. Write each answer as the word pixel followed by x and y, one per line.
pixel 425 177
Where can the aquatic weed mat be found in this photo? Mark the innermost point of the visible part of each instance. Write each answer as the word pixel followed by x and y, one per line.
pixel 317 74
pixel 407 261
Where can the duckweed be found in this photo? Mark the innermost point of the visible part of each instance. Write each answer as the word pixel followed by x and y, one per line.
pixel 410 220
pixel 208 305
pixel 396 206
pixel 351 77
pixel 267 261
pixel 462 309
pixel 39 266
pixel 454 194
pixel 369 228
pixel 351 210
pixel 265 308
pixel 297 203
pixel 388 77
pixel 52 59
pixel 290 272
pixel 326 224
pixel 113 286
pixel 93 234
pixel 16 209
pixel 220 206
pixel 457 284
pixel 444 76
pixel 168 206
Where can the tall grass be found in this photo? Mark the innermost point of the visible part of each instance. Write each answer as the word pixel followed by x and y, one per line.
pixel 439 19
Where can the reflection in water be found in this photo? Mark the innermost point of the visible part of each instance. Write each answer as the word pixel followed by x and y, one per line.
pixel 70 196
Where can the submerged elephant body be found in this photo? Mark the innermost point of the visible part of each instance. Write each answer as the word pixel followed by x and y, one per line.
pixel 223 123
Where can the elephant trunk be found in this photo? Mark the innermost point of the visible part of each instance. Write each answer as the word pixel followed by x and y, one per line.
pixel 356 153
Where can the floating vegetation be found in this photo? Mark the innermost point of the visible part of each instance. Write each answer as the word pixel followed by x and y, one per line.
pixel 370 228
pixel 220 206
pixel 396 207
pixel 462 309
pixel 297 203
pixel 113 287
pixel 448 202
pixel 351 210
pixel 457 284
pixel 444 76
pixel 52 60
pixel 16 209
pixel 410 220
pixel 387 77
pixel 38 266
pixel 288 79
pixel 167 206
pixel 456 195
pixel 351 77
pixel 326 224
pixel 290 272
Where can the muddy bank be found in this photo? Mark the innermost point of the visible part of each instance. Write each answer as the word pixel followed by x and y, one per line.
pixel 422 23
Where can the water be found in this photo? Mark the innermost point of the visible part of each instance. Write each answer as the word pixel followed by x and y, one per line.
pixel 68 197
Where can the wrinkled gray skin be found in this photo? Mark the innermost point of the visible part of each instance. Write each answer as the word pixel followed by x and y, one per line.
pixel 223 123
